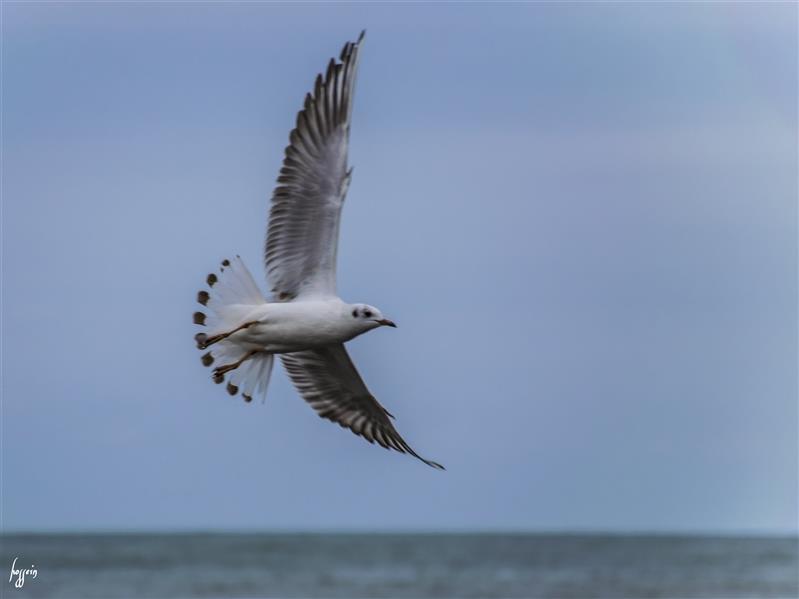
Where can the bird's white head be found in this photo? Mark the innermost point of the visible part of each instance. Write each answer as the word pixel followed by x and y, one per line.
pixel 368 317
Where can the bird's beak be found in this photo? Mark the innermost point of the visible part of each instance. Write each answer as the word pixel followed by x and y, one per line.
pixel 386 322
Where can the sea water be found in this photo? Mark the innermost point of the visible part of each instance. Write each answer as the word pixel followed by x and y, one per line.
pixel 400 565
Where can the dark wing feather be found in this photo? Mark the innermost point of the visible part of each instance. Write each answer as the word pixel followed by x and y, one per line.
pixel 302 235
pixel 327 379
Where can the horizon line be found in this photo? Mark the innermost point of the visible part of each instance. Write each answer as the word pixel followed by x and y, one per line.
pixel 197 531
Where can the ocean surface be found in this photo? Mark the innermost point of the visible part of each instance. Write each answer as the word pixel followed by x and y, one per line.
pixel 400 565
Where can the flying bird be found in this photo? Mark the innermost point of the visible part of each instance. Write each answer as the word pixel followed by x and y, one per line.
pixel 304 321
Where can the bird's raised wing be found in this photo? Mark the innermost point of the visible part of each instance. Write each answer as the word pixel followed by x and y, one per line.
pixel 327 379
pixel 302 236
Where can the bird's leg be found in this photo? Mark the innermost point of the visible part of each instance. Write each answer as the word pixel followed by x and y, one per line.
pixel 204 340
pixel 221 370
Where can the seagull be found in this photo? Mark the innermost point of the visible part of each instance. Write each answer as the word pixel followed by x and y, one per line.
pixel 304 321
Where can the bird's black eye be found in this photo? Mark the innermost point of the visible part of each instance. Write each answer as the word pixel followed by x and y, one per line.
pixel 355 313
pixel 367 313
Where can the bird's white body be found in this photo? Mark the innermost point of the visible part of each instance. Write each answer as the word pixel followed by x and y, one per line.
pixel 298 325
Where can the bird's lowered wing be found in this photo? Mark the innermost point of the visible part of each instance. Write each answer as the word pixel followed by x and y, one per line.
pixel 327 379
pixel 302 235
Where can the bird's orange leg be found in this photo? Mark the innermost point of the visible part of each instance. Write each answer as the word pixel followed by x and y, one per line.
pixel 204 340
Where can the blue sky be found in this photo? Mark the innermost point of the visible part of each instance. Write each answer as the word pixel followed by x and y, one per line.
pixel 582 217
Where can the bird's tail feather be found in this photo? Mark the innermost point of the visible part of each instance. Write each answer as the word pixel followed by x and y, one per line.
pixel 249 379
pixel 229 297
